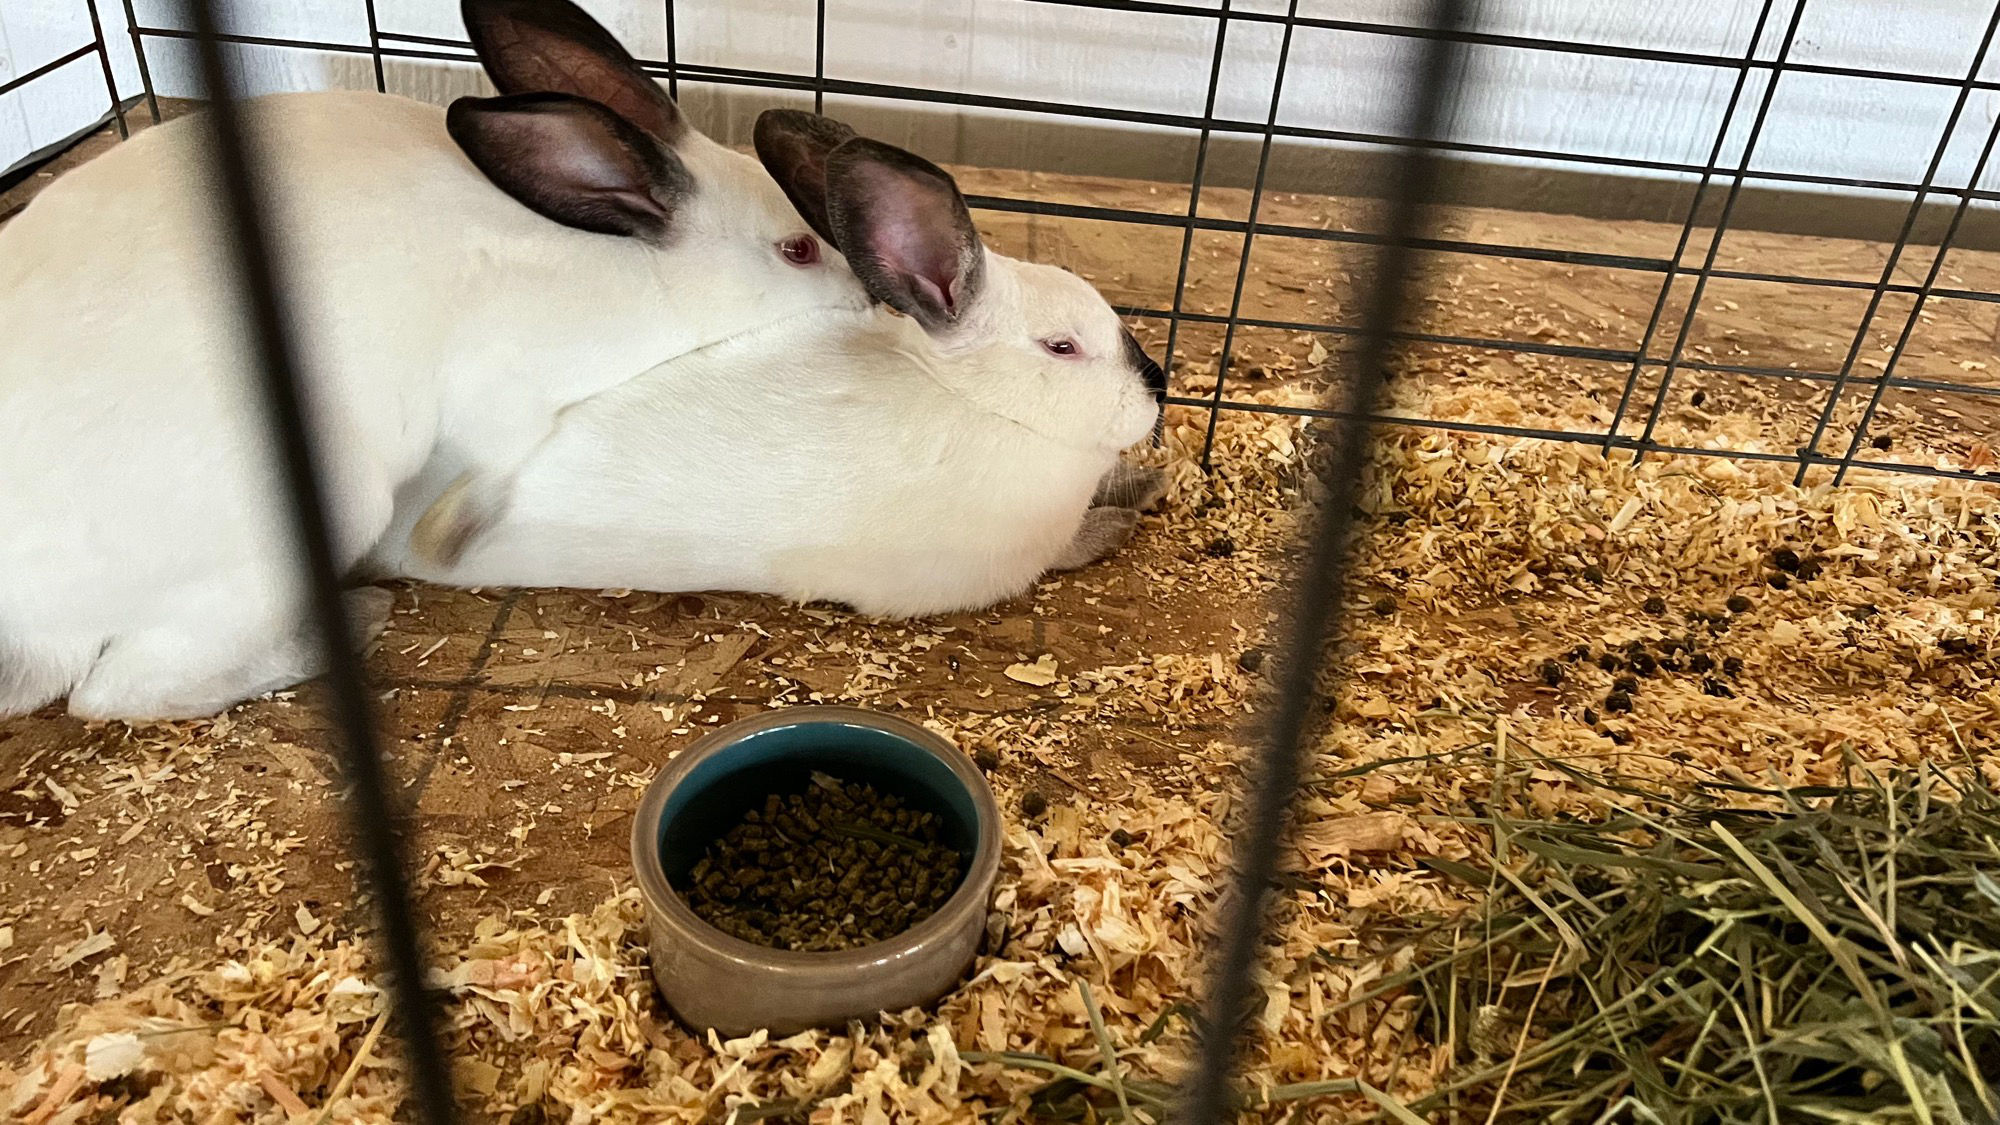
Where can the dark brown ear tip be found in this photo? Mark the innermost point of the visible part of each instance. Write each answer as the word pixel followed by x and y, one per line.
pixel 555 45
pixel 476 14
pixel 535 101
pixel 465 114
pixel 857 150
pixel 787 118
pixel 771 127
pixel 779 126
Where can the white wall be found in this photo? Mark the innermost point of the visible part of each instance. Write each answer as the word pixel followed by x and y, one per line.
pixel 53 108
pixel 1016 48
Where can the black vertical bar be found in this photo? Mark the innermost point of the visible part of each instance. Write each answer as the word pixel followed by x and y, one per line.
pixel 104 60
pixel 1721 229
pixel 375 47
pixel 1249 235
pixel 673 55
pixel 376 823
pixel 1194 189
pixel 819 56
pixel 1902 243
pixel 1687 228
pixel 139 53
pixel 1916 309
pixel 1321 581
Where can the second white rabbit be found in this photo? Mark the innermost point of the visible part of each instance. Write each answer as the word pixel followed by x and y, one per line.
pixel 936 453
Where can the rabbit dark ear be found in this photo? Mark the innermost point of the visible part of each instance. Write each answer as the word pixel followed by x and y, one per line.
pixel 794 146
pixel 530 46
pixel 573 161
pixel 905 230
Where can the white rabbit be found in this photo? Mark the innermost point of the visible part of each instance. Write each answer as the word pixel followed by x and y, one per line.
pixel 145 564
pixel 932 455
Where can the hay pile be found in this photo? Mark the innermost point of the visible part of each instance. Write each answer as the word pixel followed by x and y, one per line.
pixel 1834 959
pixel 1489 560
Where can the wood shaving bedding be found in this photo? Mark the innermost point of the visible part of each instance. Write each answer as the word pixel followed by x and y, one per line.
pixel 1487 559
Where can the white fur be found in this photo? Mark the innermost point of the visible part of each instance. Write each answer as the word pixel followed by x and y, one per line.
pixel 145 566
pixel 838 456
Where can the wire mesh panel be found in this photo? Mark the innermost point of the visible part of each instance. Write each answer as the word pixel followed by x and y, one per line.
pixel 1693 266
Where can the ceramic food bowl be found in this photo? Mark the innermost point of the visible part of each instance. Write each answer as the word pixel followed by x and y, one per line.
pixel 713 980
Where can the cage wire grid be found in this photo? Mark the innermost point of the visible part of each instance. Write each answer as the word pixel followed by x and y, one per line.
pixel 1636 406
pixel 1417 149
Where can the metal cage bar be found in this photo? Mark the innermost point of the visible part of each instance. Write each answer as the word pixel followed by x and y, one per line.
pixel 133 28
pixel 1523 42
pixel 1195 178
pixel 1895 257
pixel 1721 231
pixel 375 46
pixel 374 819
pixel 673 53
pixel 1249 229
pixel 819 56
pixel 1673 264
pixel 47 68
pixel 1924 293
pixel 675 72
pixel 1207 125
pixel 1319 591
pixel 103 51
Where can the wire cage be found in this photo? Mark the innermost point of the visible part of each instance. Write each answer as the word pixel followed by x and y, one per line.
pixel 1753 170
pixel 1632 306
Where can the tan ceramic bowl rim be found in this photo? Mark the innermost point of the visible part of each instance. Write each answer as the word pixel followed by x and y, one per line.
pixel 659 893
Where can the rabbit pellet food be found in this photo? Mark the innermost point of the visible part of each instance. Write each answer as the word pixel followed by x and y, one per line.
pixel 838 866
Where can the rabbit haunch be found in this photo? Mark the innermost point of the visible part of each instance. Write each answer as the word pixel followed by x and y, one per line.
pixel 452 286
pixel 937 453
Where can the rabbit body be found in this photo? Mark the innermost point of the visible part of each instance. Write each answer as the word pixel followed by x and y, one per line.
pixel 936 452
pixel 146 565
pixel 841 456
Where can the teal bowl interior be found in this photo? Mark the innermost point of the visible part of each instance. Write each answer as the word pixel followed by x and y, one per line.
pixel 717 792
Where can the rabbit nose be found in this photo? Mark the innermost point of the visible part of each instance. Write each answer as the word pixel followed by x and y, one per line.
pixel 1156 379
pixel 1149 372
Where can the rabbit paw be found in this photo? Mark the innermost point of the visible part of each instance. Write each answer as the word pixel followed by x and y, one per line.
pixel 367 614
pixel 1138 487
pixel 1104 530
pixel 458 517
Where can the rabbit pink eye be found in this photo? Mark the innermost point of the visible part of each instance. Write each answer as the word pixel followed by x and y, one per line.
pixel 1060 346
pixel 800 251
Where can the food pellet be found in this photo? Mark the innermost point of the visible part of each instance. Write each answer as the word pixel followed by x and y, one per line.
pixel 838 866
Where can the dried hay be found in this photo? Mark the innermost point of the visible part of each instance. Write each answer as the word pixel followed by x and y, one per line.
pixel 1833 958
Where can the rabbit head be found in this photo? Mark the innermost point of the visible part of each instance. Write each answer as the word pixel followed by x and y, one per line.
pixel 1030 342
pixel 582 135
